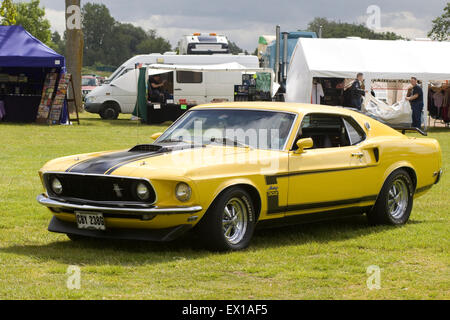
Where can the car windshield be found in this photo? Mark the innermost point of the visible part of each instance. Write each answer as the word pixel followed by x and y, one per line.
pixel 257 129
pixel 88 82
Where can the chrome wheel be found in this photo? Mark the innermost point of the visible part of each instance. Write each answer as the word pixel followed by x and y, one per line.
pixel 234 220
pixel 398 198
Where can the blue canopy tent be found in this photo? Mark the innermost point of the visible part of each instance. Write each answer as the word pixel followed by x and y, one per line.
pixel 24 63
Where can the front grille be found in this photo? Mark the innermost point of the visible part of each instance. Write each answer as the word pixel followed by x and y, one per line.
pixel 98 188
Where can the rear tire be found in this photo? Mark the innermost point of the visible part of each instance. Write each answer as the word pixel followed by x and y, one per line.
pixel 395 201
pixel 230 221
pixel 109 112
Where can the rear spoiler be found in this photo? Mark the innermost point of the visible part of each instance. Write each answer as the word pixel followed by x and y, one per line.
pixel 403 130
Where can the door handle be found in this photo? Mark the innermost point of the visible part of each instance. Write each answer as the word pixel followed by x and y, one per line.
pixel 358 154
pixel 177 89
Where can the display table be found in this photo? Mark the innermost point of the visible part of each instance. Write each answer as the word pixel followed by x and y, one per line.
pixel 159 113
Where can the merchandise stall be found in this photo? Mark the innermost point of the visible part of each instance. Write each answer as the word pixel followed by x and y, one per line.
pixel 29 76
pixel 339 60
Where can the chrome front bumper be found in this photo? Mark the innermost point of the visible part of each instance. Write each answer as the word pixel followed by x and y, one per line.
pixel 55 204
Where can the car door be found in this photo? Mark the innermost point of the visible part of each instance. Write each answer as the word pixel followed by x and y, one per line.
pixel 189 88
pixel 333 174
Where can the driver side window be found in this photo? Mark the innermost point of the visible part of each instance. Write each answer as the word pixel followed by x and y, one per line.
pixel 329 131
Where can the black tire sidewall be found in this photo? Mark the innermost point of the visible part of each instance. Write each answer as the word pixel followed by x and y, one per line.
pixel 213 228
pixel 383 205
pixel 111 109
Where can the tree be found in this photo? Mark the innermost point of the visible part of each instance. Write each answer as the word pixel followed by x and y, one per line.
pixel 234 48
pixel 98 26
pixel 153 44
pixel 32 18
pixel 441 26
pixel 109 42
pixel 57 43
pixel 8 13
pixel 333 29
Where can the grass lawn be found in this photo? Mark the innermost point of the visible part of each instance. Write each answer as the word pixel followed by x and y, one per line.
pixel 317 261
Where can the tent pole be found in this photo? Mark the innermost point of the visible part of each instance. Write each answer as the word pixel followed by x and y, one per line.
pixel 425 103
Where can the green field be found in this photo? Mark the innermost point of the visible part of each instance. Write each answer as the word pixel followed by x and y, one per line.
pixel 316 261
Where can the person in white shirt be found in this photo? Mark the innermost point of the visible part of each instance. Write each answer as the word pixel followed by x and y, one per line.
pixel 317 93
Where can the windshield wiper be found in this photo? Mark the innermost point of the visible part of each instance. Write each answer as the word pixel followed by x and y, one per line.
pixel 228 141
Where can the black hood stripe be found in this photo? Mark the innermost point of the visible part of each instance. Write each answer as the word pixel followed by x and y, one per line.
pixel 107 163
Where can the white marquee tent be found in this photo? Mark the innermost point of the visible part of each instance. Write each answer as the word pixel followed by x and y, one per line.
pixel 377 59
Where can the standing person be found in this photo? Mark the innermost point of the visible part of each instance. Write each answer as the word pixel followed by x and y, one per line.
pixel 357 92
pixel 416 100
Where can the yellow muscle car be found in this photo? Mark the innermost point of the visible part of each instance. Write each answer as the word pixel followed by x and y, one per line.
pixel 224 169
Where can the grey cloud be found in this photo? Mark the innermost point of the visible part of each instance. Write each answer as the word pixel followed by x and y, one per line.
pixel 236 17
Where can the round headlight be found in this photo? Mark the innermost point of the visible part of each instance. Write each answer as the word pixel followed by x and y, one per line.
pixel 183 192
pixel 142 191
pixel 57 186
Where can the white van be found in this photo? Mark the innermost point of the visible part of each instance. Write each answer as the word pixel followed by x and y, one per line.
pixel 118 94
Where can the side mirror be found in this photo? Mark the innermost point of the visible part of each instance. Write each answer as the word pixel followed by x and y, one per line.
pixel 156 135
pixel 303 144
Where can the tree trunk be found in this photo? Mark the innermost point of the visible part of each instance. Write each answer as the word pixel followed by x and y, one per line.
pixel 74 49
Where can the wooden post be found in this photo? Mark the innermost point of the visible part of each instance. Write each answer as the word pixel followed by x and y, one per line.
pixel 74 49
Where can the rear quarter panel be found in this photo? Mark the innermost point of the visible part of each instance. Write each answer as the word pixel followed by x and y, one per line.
pixel 422 155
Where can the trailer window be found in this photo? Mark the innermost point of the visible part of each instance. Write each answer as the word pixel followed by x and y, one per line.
pixel 189 77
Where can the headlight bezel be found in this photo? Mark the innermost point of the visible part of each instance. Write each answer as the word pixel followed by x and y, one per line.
pixel 186 194
pixel 56 181
pixel 138 195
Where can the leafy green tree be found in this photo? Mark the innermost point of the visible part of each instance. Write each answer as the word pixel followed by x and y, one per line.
pixel 234 48
pixel 153 44
pixel 8 13
pixel 109 42
pixel 32 18
pixel 58 44
pixel 441 26
pixel 333 29
pixel 98 27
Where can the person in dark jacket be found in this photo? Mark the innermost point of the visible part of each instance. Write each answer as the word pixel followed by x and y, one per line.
pixel 416 101
pixel 357 92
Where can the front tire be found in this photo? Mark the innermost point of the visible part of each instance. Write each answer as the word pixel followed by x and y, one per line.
pixel 109 112
pixel 230 221
pixel 395 201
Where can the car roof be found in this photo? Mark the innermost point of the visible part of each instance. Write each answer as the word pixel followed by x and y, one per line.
pixel 301 108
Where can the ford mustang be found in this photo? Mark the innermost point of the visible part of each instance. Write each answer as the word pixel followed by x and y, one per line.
pixel 224 169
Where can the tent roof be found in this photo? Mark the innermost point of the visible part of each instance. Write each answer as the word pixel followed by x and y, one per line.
pixel 384 59
pixel 18 48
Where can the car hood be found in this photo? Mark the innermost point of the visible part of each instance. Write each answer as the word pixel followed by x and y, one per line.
pixel 154 161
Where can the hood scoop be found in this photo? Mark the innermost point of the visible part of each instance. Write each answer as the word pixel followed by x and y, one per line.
pixel 145 148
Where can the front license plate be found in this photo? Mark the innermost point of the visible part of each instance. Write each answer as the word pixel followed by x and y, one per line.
pixel 90 220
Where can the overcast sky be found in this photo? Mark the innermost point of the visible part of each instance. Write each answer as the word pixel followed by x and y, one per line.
pixel 244 21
